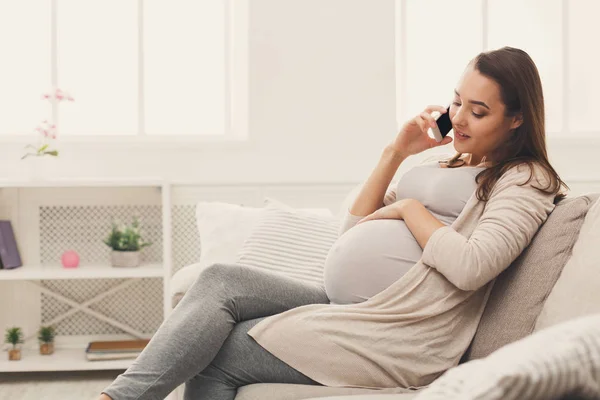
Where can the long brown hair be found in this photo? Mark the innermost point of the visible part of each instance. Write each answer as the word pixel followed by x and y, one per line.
pixel 521 92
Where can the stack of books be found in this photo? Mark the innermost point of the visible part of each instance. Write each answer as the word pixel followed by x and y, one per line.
pixel 115 350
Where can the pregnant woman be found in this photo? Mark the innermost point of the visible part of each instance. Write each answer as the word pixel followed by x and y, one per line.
pixel 407 280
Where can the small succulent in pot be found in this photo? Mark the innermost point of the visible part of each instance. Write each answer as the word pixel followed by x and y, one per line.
pixel 46 335
pixel 14 336
pixel 126 242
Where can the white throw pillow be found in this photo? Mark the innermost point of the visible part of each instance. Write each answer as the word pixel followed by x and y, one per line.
pixel 223 228
pixel 560 360
pixel 290 241
pixel 576 290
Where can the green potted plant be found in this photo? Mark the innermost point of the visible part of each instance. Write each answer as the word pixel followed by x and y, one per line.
pixel 126 242
pixel 14 336
pixel 46 335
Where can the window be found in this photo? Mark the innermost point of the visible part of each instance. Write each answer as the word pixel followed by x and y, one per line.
pixel 436 39
pixel 136 68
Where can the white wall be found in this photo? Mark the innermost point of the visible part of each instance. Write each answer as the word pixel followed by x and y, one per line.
pixel 321 106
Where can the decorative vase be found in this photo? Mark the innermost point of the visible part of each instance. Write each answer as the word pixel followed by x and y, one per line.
pixel 70 259
pixel 126 259
pixel 46 348
pixel 14 355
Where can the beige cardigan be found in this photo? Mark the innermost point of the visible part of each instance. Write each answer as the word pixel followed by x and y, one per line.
pixel 409 334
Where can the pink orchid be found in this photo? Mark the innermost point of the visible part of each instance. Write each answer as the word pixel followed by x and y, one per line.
pixel 57 95
pixel 47 130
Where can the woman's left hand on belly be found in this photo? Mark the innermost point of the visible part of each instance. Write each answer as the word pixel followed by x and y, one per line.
pixel 393 211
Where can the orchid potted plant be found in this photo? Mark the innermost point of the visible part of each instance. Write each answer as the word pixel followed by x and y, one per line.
pixel 47 131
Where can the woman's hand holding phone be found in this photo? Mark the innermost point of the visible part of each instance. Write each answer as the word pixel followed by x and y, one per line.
pixel 413 137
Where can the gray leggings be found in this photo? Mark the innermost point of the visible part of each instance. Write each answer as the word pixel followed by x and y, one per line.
pixel 204 341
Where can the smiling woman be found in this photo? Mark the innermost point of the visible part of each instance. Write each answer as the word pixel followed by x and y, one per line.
pixel 416 270
pixel 496 124
pixel 498 116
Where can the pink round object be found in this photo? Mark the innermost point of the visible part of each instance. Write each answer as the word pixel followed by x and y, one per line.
pixel 70 259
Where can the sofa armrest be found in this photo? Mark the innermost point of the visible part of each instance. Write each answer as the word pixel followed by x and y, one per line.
pixel 182 280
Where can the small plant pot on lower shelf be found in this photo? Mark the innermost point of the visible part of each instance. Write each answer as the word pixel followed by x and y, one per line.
pixel 46 349
pixel 14 355
pixel 14 337
pixel 125 259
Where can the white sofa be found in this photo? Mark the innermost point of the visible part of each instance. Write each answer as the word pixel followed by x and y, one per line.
pixel 532 294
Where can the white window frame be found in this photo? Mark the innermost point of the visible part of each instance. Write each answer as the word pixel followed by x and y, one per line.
pixel 236 96
pixel 561 137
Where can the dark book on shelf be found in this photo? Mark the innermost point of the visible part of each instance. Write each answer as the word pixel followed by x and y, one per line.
pixel 9 252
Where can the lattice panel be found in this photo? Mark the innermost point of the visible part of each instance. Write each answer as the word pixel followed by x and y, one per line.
pixel 138 306
pixel 83 229
pixel 53 307
pixel 186 240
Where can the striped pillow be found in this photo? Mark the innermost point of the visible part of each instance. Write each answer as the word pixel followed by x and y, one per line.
pixel 557 361
pixel 290 241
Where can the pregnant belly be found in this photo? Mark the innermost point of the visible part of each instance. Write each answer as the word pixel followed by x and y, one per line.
pixel 368 258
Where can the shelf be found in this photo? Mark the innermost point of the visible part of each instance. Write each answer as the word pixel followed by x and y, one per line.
pixel 82 182
pixel 61 360
pixel 35 272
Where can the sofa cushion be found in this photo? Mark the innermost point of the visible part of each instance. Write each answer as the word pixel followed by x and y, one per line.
pixel 285 391
pixel 554 362
pixel 290 242
pixel 520 291
pixel 223 228
pixel 576 291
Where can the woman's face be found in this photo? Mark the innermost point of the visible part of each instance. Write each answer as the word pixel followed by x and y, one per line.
pixel 478 112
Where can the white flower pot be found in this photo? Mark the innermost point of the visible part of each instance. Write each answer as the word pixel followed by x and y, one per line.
pixel 126 259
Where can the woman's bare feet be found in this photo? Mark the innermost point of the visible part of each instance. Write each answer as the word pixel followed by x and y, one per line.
pixel 105 397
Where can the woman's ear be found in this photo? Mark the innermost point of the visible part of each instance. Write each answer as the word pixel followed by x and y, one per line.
pixel 517 121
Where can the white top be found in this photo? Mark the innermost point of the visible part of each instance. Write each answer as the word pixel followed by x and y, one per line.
pixel 371 256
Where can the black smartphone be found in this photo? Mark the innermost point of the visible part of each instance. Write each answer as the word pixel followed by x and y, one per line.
pixel 444 125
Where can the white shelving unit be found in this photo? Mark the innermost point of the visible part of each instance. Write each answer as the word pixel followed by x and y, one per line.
pixel 89 271
pixel 71 356
pixel 63 359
